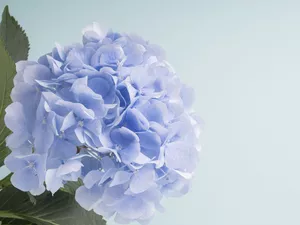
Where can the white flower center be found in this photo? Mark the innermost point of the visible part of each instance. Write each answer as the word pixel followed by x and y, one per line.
pixel 80 123
pixel 31 164
pixel 61 135
pixel 118 147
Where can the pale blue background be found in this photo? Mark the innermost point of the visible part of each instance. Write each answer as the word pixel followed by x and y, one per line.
pixel 243 58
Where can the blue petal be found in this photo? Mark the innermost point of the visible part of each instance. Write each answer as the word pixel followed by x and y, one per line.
pixel 148 213
pixel 142 159
pixel 88 198
pixel 135 120
pixel 93 33
pixel 152 195
pixel 62 149
pixel 38 191
pixel 52 122
pixel 179 128
pixel 54 65
pixel 25 179
pixel 73 176
pixel 140 77
pixel 134 54
pixel 88 97
pixel 15 119
pixel 126 92
pixel 14 163
pixel 104 210
pixel 79 110
pixel 68 122
pixel 91 139
pixel 122 220
pixel 113 195
pixel 94 126
pixel 43 138
pixel 156 50
pixel 160 130
pixel 176 109
pixel 47 85
pixel 120 177
pixel 69 167
pixel 79 134
pixel 107 55
pixel 59 52
pixel 103 85
pixel 92 178
pixel 24 149
pixel 28 96
pixel 181 156
pixel 123 136
pixel 36 72
pixel 149 140
pixel 20 67
pixel 131 208
pixel 62 107
pixel 67 77
pixel 107 175
pixel 90 164
pixel 107 163
pixel 177 188
pixel 50 98
pixel 17 140
pixel 75 60
pixel 154 110
pixel 130 153
pixel 188 96
pixel 142 180
pixel 53 182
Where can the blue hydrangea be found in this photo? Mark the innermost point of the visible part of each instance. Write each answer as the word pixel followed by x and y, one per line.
pixel 111 112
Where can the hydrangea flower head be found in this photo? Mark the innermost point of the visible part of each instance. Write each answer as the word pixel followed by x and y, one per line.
pixel 111 112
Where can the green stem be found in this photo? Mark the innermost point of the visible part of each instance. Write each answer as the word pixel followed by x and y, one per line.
pixel 5 214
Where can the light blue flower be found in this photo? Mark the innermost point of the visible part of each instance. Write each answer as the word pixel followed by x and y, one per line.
pixel 69 170
pixel 28 171
pixel 126 144
pixel 111 112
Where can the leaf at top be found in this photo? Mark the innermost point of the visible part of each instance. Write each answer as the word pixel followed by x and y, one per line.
pixel 14 37
pixel 7 72
pixel 61 209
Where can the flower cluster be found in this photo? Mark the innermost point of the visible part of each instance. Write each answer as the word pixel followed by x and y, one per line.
pixel 111 112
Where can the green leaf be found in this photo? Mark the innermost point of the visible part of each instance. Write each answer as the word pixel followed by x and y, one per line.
pixel 5 182
pixel 4 151
pixel 13 47
pixel 7 72
pixel 14 37
pixel 72 186
pixel 60 209
pixel 15 222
